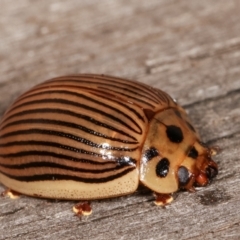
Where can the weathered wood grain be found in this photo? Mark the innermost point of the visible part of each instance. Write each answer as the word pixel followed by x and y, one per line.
pixel 189 48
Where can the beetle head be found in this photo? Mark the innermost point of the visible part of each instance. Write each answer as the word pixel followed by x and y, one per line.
pixel 173 156
pixel 198 168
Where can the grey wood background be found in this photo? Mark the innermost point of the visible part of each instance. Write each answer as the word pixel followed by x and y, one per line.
pixel 189 48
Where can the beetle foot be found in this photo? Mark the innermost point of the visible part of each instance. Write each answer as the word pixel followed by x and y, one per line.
pixel 11 194
pixel 162 199
pixel 82 209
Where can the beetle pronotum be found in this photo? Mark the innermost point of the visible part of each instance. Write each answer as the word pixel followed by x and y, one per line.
pixel 90 137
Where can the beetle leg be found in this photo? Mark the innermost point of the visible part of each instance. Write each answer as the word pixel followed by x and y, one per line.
pixel 82 209
pixel 162 199
pixel 10 193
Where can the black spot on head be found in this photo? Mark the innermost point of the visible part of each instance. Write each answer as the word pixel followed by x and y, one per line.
pixel 174 134
pixel 193 153
pixel 190 126
pixel 151 153
pixel 162 167
pixel 183 176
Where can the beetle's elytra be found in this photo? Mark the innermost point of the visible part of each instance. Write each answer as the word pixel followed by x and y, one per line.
pixel 94 136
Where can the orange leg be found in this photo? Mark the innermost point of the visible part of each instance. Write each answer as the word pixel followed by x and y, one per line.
pixel 162 199
pixel 82 209
pixel 11 194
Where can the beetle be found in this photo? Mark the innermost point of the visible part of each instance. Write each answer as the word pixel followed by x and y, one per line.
pixel 85 137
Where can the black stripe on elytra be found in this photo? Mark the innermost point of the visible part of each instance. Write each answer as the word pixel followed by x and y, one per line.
pixel 104 81
pixel 54 165
pixel 67 124
pixel 139 86
pixel 55 177
pixel 134 93
pixel 120 161
pixel 163 96
pixel 89 99
pixel 53 144
pixel 65 135
pixel 128 96
pixel 83 106
pixel 145 89
pixel 92 91
pixel 118 100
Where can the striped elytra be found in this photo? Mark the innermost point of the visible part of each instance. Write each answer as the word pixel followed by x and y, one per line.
pixel 95 136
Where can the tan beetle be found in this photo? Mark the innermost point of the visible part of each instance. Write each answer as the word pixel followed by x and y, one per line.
pixel 88 136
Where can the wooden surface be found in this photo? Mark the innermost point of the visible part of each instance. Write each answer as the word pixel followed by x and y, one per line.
pixel 189 48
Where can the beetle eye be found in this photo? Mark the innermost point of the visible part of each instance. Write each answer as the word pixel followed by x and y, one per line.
pixel 193 153
pixel 183 176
